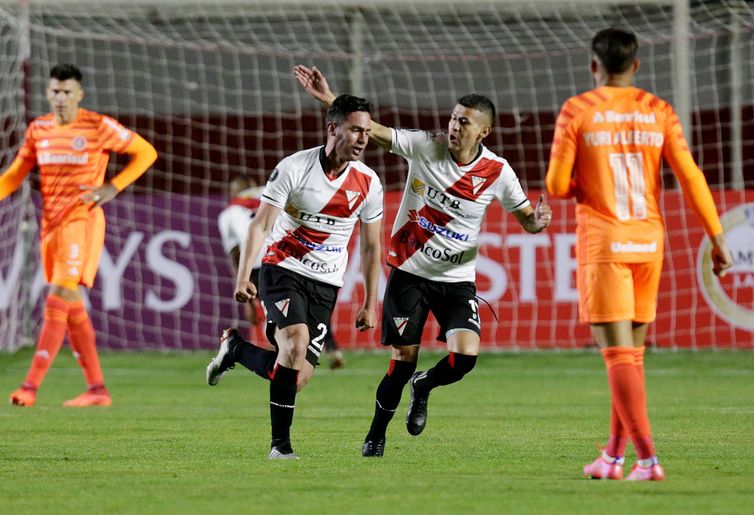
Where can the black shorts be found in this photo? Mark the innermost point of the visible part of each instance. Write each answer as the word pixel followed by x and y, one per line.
pixel 409 299
pixel 289 298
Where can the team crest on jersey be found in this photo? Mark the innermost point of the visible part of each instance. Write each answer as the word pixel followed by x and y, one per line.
pixel 400 324
pixel 598 117
pixel 476 183
pixel 283 305
pixel 418 187
pixel 79 143
pixel 352 197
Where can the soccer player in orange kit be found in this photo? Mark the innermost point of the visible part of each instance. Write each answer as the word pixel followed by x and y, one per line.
pixel 71 146
pixel 607 153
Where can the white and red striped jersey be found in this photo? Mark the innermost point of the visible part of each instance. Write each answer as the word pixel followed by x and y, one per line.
pixel 233 221
pixel 436 230
pixel 310 237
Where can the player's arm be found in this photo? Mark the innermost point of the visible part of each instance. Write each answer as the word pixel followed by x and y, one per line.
pixel 534 219
pixel 14 176
pixel 315 84
pixel 559 178
pixel 697 193
pixel 259 229
pixel 143 155
pixel 371 256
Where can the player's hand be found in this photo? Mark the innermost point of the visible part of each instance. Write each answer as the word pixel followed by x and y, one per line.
pixel 314 83
pixel 366 319
pixel 98 196
pixel 542 213
pixel 721 257
pixel 245 291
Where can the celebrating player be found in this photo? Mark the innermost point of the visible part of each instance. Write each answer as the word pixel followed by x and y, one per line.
pixel 607 152
pixel 308 212
pixel 71 147
pixel 452 179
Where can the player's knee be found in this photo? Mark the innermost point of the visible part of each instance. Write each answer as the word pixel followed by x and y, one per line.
pixel 461 364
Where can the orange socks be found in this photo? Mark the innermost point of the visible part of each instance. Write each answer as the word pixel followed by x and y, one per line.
pixel 83 343
pixel 50 340
pixel 626 380
pixel 616 445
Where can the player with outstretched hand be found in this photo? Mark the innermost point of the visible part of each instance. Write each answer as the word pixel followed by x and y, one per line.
pixel 452 179
pixel 607 153
pixel 308 211
pixel 71 146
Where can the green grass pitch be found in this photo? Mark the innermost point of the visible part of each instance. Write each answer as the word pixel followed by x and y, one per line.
pixel 511 438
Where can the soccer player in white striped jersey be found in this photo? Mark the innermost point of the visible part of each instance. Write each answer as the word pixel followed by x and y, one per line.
pixel 308 211
pixel 452 178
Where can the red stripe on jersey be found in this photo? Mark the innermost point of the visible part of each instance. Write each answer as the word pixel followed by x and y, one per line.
pixel 412 236
pixel 640 95
pixel 654 102
pixel 585 98
pixel 248 203
pixel 474 182
pixel 349 196
pixel 600 95
pixel 294 244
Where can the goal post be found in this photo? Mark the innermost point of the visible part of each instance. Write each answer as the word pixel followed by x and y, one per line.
pixel 210 84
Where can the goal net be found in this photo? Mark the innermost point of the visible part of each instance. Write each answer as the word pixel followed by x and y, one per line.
pixel 210 84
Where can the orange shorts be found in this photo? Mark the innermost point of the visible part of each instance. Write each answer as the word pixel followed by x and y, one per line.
pixel 611 292
pixel 70 252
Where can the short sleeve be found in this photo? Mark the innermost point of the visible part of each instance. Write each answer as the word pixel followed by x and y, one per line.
pixel 113 136
pixel 408 142
pixel 372 209
pixel 510 194
pixel 280 184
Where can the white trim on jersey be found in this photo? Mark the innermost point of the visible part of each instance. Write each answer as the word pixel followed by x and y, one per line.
pixel 311 235
pixel 443 206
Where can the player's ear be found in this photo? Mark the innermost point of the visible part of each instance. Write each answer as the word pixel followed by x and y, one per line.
pixel 594 65
pixel 485 132
pixel 331 128
pixel 635 65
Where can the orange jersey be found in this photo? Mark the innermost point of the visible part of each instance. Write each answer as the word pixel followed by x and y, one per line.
pixel 607 152
pixel 70 156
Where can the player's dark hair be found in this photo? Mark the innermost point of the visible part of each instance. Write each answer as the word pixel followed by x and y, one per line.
pixel 345 105
pixel 615 48
pixel 480 103
pixel 66 71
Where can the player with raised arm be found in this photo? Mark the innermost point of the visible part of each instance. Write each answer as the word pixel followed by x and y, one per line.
pixel 607 153
pixel 452 179
pixel 308 212
pixel 71 146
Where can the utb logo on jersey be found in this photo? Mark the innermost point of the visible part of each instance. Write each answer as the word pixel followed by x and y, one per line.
pixel 400 324
pixel 477 183
pixel 352 196
pixel 282 305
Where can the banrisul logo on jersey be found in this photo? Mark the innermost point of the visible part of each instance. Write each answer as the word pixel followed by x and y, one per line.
pixel 732 297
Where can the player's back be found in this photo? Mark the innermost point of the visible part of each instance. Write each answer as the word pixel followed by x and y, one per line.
pixel 620 135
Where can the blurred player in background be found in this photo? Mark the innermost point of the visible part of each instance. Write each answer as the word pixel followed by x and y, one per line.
pixel 71 146
pixel 233 223
pixel 607 153
pixel 452 179
pixel 309 208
